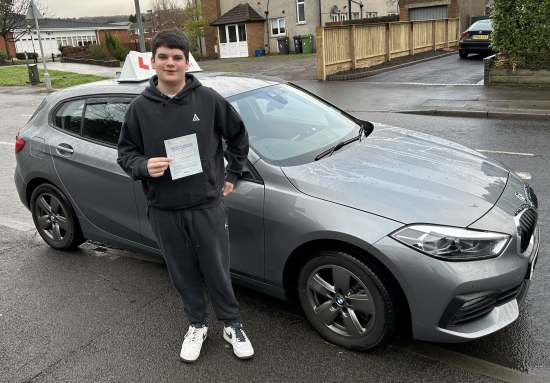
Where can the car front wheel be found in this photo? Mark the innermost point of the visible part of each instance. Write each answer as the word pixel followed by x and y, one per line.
pixel 463 54
pixel 54 218
pixel 347 301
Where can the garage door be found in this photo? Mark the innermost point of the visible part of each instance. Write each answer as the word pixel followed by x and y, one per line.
pixel 428 13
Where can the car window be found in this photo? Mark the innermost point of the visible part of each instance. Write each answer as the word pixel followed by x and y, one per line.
pixel 69 116
pixel 287 126
pixel 482 25
pixel 103 121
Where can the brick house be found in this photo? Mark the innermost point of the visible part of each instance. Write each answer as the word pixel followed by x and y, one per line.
pixel 240 31
pixel 55 33
pixel 412 10
pixel 288 18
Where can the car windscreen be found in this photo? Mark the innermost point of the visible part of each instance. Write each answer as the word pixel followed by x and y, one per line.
pixel 287 126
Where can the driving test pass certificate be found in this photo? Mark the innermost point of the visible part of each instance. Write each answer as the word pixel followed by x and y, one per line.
pixel 184 155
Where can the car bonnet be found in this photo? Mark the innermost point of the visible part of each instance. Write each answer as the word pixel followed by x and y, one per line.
pixel 406 176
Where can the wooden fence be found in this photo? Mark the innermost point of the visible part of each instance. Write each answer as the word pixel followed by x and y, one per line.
pixel 347 47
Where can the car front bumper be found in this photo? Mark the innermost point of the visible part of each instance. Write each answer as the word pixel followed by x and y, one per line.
pixel 433 287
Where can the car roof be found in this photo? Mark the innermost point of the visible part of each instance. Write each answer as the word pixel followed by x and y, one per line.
pixel 227 84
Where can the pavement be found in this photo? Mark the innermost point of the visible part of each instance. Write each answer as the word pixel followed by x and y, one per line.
pixel 499 102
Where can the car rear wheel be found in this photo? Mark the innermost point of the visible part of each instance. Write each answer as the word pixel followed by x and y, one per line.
pixel 346 301
pixel 462 54
pixel 54 218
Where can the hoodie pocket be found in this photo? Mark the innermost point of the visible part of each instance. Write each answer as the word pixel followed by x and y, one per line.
pixel 207 168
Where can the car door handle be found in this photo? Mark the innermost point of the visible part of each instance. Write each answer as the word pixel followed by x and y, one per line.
pixel 64 149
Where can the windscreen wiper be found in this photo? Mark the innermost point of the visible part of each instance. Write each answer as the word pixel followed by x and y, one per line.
pixel 341 144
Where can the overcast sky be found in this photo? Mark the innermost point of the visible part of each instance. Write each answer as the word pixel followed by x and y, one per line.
pixel 76 8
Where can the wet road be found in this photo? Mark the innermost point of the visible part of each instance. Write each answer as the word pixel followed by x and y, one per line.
pixel 448 70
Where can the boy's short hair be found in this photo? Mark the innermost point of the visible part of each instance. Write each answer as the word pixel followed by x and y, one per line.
pixel 172 39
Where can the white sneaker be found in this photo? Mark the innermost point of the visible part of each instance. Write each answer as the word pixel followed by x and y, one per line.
pixel 191 347
pixel 237 338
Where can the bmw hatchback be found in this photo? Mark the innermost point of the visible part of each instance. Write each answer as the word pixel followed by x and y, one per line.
pixel 365 225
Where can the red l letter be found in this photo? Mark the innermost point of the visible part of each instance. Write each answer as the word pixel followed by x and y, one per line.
pixel 142 64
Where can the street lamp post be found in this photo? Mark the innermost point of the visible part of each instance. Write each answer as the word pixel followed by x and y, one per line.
pixel 34 14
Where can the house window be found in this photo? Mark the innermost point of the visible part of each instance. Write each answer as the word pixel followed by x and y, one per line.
pixel 277 27
pixel 223 35
pixel 392 14
pixel 355 16
pixel 371 14
pixel 343 16
pixel 334 17
pixel 300 11
pixel 242 32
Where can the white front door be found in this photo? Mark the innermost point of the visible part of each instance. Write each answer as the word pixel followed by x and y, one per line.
pixel 232 40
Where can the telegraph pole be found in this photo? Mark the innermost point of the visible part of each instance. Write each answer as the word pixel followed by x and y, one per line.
pixel 140 27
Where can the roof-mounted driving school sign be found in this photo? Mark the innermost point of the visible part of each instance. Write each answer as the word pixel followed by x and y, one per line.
pixel 137 67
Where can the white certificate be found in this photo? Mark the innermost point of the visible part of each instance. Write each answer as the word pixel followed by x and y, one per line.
pixel 184 155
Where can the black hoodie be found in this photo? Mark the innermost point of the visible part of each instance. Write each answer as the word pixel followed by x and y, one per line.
pixel 153 117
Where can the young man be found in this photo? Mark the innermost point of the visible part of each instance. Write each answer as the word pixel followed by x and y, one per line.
pixel 171 140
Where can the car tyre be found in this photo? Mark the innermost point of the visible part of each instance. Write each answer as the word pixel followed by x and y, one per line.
pixel 54 218
pixel 462 54
pixel 347 301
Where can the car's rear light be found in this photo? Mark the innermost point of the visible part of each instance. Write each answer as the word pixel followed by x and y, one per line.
pixel 19 144
pixel 464 35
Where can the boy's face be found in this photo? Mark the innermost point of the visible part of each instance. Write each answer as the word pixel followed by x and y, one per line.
pixel 170 65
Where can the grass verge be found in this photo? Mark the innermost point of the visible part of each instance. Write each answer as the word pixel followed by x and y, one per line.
pixel 18 76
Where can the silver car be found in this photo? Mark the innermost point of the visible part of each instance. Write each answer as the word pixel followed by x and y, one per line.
pixel 367 226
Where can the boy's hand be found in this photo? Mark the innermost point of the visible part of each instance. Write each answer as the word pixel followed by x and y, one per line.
pixel 227 188
pixel 157 166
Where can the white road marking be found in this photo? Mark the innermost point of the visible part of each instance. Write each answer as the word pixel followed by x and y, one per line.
pixel 500 152
pixel 16 225
pixel 7 143
pixel 525 176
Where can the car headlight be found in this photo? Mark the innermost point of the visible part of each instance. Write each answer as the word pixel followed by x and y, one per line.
pixel 452 243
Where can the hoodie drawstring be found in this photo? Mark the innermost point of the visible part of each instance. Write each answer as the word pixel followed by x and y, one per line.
pixel 164 101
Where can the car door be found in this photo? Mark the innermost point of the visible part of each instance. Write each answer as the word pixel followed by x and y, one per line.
pixel 246 224
pixel 84 154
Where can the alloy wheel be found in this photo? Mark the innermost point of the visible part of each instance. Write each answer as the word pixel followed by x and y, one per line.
pixel 341 301
pixel 52 218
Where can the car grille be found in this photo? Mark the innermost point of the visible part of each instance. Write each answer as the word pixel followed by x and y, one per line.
pixel 532 197
pixel 526 228
pixel 465 309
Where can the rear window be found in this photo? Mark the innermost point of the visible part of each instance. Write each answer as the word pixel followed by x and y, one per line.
pixel 103 120
pixel 482 25
pixel 69 116
pixel 99 119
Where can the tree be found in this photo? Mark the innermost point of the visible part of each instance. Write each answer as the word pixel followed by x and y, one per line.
pixel 12 16
pixel 132 19
pixel 167 14
pixel 194 25
pixel 109 41
pixel 142 19
pixel 513 21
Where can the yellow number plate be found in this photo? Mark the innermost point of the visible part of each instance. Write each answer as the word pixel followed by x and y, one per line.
pixel 481 37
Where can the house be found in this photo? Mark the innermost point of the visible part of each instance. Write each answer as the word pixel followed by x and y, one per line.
pixel 278 18
pixel 56 32
pixel 413 10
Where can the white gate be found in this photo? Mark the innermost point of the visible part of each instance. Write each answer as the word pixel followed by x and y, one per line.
pixel 232 40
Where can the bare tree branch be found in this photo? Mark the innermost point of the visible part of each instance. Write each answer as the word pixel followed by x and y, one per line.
pixel 12 16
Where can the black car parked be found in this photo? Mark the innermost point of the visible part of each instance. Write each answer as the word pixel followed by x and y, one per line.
pixel 476 39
